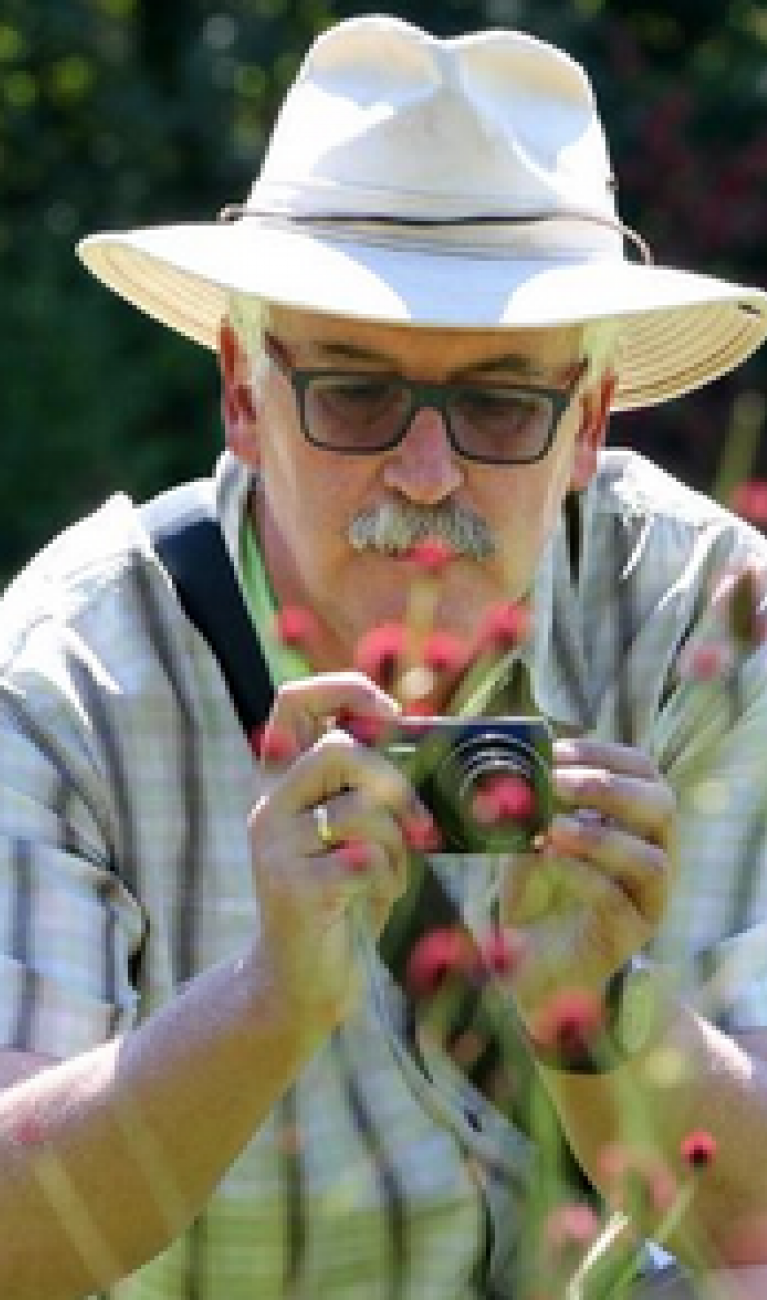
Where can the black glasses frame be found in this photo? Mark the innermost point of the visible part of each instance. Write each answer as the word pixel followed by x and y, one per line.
pixel 422 395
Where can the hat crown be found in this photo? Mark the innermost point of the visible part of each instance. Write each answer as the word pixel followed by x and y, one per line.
pixel 386 119
pixel 442 184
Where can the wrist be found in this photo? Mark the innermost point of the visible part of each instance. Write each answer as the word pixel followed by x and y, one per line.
pixel 288 1003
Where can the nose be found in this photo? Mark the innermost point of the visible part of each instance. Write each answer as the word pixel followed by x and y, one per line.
pixel 423 467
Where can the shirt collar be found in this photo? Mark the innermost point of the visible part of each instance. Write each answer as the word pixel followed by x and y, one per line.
pixel 553 658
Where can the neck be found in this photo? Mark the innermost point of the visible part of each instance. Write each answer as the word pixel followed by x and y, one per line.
pixel 330 651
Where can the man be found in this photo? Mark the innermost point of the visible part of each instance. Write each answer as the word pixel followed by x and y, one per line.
pixel 423 315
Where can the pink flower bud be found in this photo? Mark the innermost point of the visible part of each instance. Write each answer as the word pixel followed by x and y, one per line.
pixel 354 855
pixel 273 744
pixel 380 651
pixel 503 798
pixel 749 500
pixel 501 951
pixel 367 728
pixel 296 626
pixel 444 653
pixel 571 1225
pixel 431 554
pixel 698 1148
pixel 421 832
pixel 568 1025
pixel 504 626
pixel 436 957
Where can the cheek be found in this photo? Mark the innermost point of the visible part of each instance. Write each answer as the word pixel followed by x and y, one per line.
pixel 524 516
pixel 312 499
pixel 553 478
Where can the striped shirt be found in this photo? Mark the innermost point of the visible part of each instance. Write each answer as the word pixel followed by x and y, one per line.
pixel 125 785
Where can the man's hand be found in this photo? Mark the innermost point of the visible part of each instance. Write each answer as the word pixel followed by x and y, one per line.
pixel 327 842
pixel 596 888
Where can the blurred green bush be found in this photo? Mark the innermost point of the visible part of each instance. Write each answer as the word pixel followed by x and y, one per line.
pixel 122 112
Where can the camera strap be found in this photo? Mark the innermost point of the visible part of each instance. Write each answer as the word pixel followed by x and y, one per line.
pixel 187 538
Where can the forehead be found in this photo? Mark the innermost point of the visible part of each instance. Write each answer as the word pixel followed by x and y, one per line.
pixel 425 348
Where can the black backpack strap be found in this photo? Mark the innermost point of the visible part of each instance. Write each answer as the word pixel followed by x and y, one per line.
pixel 187 537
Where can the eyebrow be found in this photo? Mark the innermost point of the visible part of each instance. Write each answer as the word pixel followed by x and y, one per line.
pixel 512 362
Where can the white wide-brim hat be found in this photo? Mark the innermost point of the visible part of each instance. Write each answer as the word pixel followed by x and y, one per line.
pixel 462 183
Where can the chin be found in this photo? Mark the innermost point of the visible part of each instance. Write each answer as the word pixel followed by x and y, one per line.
pixel 455 605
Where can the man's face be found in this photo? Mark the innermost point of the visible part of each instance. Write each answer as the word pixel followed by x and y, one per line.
pixel 311 496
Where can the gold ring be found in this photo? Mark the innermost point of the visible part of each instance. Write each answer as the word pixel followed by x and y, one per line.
pixel 322 826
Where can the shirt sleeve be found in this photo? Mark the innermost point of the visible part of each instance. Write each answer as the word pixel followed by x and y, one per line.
pixel 714 753
pixel 70 928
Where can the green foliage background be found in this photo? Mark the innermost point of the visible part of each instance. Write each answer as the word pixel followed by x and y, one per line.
pixel 123 112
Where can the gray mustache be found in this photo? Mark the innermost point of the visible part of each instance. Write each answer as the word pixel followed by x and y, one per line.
pixel 394 527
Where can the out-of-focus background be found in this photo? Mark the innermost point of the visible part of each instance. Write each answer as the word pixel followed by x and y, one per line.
pixel 125 112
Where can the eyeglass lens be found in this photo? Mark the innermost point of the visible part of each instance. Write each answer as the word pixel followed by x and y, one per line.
pixel 489 422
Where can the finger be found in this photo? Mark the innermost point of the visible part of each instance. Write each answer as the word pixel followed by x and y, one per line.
pixel 337 886
pixel 641 868
pixel 353 817
pixel 645 805
pixel 336 764
pixel 303 710
pixel 587 751
pixel 316 889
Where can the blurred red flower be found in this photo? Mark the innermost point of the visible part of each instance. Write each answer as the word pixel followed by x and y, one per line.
pixel 503 627
pixel 367 728
pixel 380 651
pixel 296 626
pixel 431 554
pixel 420 707
pixel 435 957
pixel 273 744
pixel 567 1026
pixel 749 500
pixel 573 1225
pixel 354 855
pixel 501 798
pixel 444 653
pixel 698 1148
pixel 421 832
pixel 501 951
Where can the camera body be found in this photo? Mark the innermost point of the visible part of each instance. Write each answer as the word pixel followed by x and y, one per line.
pixel 485 780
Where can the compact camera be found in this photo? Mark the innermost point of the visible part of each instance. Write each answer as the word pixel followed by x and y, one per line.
pixel 486 781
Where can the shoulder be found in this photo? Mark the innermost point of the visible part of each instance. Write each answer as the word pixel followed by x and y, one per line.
pixel 75 570
pixel 632 485
pixel 95 612
pixel 663 519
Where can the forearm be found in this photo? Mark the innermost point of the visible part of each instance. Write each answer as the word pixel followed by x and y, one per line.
pixel 105 1158
pixel 691 1078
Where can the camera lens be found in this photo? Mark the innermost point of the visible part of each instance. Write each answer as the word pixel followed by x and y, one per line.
pixel 486 781
pixel 496 783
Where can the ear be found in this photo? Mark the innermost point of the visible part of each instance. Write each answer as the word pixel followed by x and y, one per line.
pixel 595 414
pixel 238 407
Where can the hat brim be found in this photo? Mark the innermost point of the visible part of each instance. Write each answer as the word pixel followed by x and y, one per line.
pixel 678 329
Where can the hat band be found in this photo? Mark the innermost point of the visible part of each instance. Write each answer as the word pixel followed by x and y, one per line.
pixel 236 211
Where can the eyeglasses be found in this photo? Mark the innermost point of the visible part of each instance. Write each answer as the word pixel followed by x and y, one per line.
pixel 363 412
